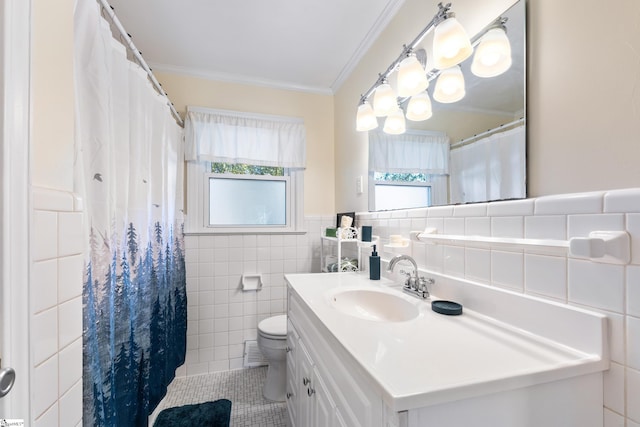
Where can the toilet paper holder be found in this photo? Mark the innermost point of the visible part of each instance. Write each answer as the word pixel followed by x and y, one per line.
pixel 251 282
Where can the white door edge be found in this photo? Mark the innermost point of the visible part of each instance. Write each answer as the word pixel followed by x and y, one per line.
pixel 16 194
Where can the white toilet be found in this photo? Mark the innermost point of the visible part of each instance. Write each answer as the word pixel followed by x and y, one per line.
pixel 272 341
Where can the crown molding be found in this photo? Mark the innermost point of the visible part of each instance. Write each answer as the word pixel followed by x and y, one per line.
pixel 381 23
pixel 239 79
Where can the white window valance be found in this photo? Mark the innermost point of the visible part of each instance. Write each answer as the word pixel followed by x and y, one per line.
pixel 235 137
pixel 411 152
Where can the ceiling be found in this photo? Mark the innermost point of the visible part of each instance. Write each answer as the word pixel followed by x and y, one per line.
pixel 302 45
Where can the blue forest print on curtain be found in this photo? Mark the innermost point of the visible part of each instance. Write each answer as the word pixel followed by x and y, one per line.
pixel 135 324
pixel 129 171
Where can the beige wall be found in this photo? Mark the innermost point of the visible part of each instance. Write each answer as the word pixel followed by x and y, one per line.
pixel 52 103
pixel 583 97
pixel 316 110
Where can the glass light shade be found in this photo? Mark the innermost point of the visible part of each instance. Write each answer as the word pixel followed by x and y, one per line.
pixel 493 54
pixel 365 119
pixel 450 86
pixel 419 107
pixel 412 78
pixel 384 100
pixel 394 123
pixel 451 44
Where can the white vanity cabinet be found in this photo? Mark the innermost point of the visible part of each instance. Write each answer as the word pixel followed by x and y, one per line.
pixel 322 390
pixel 532 364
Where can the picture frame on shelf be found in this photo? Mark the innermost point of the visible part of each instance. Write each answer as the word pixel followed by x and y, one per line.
pixel 351 223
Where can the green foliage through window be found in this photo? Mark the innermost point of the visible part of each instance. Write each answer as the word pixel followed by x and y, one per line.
pixel 402 177
pixel 242 169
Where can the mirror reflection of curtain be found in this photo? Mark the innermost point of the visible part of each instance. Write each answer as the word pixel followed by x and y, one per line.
pixel 491 168
pixel 128 171
pixel 412 152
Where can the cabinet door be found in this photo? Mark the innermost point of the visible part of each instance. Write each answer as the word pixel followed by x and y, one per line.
pixel 293 396
pixel 305 375
pixel 324 410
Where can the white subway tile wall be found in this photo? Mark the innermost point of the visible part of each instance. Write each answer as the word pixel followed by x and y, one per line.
pixel 56 308
pixel 220 315
pixel 608 288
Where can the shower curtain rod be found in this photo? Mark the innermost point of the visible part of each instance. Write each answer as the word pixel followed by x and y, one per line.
pixel 138 55
pixel 473 138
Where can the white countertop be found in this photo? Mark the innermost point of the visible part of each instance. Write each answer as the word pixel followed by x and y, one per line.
pixel 434 358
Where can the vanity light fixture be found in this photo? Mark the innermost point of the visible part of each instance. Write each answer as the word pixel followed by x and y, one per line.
pixel 412 77
pixel 366 119
pixel 395 124
pixel 451 46
pixel 493 53
pixel 450 85
pixel 419 107
pixel 384 100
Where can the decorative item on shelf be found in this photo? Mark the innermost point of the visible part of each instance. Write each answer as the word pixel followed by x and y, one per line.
pixel 330 232
pixel 330 261
pixel 366 233
pixel 348 233
pixel 451 46
pixel 346 219
pixel 398 245
pixel 346 264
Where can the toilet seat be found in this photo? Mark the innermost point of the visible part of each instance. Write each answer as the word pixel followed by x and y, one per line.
pixel 274 327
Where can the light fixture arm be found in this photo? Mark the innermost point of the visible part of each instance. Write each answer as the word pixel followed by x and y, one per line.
pixel 500 22
pixel 444 12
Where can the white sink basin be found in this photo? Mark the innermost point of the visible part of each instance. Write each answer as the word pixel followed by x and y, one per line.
pixel 374 305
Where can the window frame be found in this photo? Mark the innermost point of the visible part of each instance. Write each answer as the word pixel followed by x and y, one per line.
pixel 197 197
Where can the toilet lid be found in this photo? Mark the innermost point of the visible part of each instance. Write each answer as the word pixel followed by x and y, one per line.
pixel 275 326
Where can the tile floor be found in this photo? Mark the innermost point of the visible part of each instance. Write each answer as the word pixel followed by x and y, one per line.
pixel 243 387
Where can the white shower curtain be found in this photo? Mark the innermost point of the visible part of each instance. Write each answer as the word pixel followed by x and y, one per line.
pixel 128 171
pixel 491 168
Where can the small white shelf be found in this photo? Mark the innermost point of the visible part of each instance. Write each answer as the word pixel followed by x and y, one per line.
pixel 601 246
pixel 325 252
pixel 493 241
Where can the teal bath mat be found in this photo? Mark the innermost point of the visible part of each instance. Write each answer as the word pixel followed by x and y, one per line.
pixel 207 414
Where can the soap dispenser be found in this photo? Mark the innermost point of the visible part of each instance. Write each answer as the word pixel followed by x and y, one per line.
pixel 374 265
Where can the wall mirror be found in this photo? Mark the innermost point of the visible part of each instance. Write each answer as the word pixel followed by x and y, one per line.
pixel 486 129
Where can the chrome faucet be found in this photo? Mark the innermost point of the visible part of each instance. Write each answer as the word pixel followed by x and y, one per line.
pixel 413 285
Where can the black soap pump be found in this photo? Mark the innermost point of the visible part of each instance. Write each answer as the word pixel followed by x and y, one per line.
pixel 374 265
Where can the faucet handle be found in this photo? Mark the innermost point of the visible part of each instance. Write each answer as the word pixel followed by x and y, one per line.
pixel 407 279
pixel 422 283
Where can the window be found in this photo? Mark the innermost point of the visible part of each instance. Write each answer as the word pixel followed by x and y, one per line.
pixel 400 191
pixel 245 172
pixel 241 195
